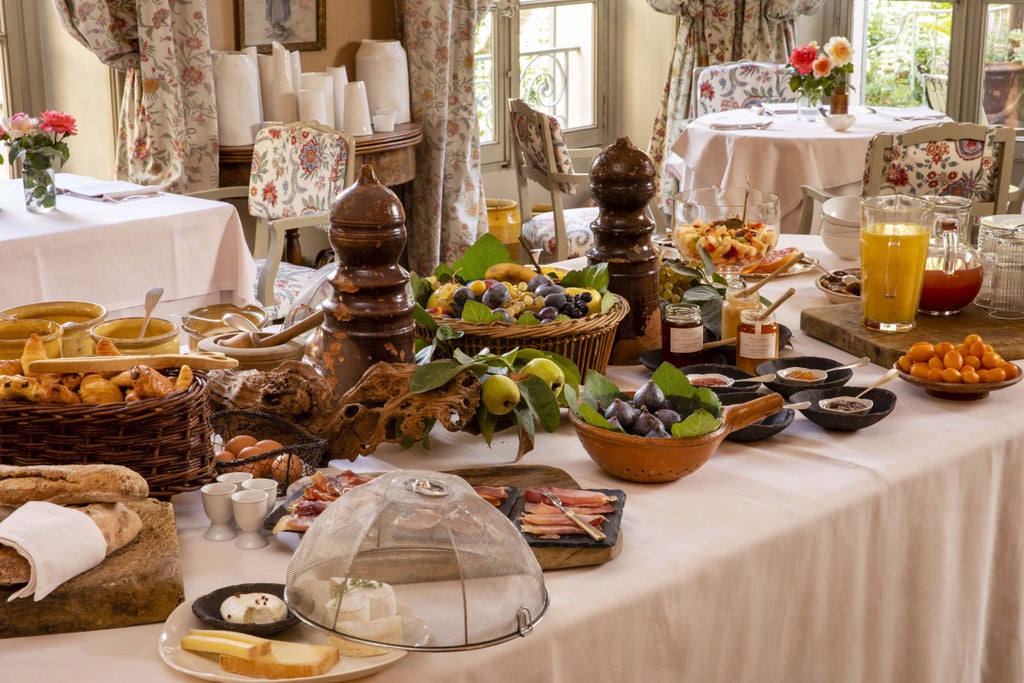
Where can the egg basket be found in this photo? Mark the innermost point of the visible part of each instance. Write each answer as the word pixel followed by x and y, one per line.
pixel 166 440
pixel 299 458
pixel 586 341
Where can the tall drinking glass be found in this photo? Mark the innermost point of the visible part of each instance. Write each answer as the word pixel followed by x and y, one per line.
pixel 894 232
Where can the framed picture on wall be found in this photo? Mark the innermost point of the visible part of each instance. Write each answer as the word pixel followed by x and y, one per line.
pixel 296 24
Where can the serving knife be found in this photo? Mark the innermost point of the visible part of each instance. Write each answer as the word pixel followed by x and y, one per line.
pixel 589 529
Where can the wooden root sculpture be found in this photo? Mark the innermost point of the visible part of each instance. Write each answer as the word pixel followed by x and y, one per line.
pixel 379 408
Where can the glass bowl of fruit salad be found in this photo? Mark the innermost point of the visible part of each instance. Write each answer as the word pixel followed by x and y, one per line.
pixel 733 226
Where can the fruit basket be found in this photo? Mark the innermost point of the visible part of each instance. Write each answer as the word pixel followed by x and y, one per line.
pixel 166 440
pixel 586 341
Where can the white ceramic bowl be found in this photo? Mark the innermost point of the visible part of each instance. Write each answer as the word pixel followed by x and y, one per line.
pixel 840 122
pixel 845 246
pixel 838 228
pixel 842 210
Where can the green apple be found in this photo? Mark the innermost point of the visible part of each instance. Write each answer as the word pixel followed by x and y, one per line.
pixel 500 394
pixel 548 371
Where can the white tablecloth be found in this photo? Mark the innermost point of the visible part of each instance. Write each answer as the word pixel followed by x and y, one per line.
pixel 893 554
pixel 110 253
pixel 781 157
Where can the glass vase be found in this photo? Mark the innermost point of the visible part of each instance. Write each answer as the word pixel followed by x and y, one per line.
pixel 39 181
pixel 805 109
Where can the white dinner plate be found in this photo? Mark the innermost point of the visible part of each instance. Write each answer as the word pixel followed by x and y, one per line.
pixel 207 667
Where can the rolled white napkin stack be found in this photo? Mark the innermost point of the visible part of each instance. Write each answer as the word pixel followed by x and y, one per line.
pixel 237 88
pixel 59 544
pixel 284 103
pixel 266 66
pixel 322 81
pixel 340 77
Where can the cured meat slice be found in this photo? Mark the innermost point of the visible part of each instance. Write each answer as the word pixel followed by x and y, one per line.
pixel 548 509
pixel 552 531
pixel 571 497
pixel 559 519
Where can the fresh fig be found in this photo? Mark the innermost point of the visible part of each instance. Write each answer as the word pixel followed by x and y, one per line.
pixel 614 422
pixel 668 417
pixel 623 412
pixel 646 422
pixel 649 396
pixel 658 433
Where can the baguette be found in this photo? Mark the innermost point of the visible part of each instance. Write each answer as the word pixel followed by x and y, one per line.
pixel 118 524
pixel 70 484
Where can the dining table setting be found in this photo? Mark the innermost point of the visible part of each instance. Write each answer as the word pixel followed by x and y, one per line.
pixel 889 547
pixel 781 148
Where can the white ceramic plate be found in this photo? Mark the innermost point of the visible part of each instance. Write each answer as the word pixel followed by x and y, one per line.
pixel 207 668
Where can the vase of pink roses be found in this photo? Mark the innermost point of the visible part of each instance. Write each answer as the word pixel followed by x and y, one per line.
pixel 38 145
pixel 816 73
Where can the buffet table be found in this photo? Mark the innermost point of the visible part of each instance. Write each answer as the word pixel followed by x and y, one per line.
pixel 715 151
pixel 111 252
pixel 890 554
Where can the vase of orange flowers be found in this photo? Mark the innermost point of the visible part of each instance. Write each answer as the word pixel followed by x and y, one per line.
pixel 816 73
pixel 38 146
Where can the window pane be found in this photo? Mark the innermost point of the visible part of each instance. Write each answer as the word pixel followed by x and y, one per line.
pixel 556 61
pixel 1003 84
pixel 904 52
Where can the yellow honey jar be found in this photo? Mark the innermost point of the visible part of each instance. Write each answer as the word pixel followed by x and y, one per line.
pixel 76 317
pixel 14 334
pixel 161 335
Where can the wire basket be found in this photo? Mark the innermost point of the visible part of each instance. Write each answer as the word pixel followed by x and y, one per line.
pixel 586 341
pixel 166 440
pixel 300 456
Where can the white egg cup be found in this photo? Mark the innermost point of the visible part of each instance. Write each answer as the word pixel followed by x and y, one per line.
pixel 250 508
pixel 264 484
pixel 218 508
pixel 235 478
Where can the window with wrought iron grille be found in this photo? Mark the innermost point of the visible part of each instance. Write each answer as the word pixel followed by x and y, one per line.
pixel 554 54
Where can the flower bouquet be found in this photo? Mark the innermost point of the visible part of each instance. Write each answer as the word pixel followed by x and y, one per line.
pixel 40 145
pixel 816 73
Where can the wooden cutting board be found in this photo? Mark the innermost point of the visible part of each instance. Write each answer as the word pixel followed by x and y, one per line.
pixel 571 552
pixel 139 584
pixel 840 326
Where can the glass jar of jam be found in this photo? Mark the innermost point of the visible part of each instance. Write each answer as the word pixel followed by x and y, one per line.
pixel 736 301
pixel 682 334
pixel 757 339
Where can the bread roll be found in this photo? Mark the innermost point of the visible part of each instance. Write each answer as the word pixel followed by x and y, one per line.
pixel 70 484
pixel 118 524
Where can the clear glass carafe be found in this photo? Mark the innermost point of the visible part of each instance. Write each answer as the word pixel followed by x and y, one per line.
pixel 953 271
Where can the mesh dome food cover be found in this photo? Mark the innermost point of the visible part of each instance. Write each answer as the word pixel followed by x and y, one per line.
pixel 421 550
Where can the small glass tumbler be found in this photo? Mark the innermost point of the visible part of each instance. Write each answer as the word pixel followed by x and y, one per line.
pixel 990 230
pixel 1008 277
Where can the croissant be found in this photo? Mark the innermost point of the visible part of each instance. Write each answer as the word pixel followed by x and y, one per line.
pixel 97 389
pixel 34 350
pixel 18 387
pixel 148 383
pixel 71 380
pixel 122 379
pixel 58 393
pixel 184 379
pixel 10 367
pixel 105 347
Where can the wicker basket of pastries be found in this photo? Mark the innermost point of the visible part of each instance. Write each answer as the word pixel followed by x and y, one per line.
pixel 111 410
pixel 265 445
pixel 506 306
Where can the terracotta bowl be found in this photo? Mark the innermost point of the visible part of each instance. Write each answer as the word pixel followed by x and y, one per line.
pixel 648 460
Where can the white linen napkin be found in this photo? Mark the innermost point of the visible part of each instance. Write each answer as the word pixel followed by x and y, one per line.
pixel 108 190
pixel 736 119
pixel 58 542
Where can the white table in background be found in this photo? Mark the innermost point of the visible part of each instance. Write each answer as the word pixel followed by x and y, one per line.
pixel 110 253
pixel 784 155
pixel 888 555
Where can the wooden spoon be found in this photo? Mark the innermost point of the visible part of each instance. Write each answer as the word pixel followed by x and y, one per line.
pixel 152 299
pixel 290 333
pixel 774 274
pixel 778 302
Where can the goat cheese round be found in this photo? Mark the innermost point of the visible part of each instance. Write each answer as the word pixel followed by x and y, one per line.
pixel 253 608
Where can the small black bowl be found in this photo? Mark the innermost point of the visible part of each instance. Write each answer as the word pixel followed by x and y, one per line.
pixel 730 371
pixel 883 401
pixel 769 426
pixel 788 388
pixel 207 609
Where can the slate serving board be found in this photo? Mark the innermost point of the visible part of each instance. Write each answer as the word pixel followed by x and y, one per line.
pixel 141 583
pixel 839 325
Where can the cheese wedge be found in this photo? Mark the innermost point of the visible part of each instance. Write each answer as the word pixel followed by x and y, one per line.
pixel 386 630
pixel 231 635
pixel 224 646
pixel 285 660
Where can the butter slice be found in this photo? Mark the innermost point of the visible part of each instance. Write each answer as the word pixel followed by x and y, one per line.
pixel 224 646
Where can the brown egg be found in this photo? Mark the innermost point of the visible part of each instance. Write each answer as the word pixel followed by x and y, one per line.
pixel 236 444
pixel 286 468
pixel 268 445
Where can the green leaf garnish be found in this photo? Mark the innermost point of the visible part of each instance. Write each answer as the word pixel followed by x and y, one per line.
pixel 699 423
pixel 485 252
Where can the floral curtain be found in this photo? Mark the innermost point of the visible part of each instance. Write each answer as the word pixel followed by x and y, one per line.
pixel 714 32
pixel 167 129
pixel 449 210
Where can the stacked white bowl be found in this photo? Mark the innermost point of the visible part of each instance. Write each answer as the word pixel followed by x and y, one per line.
pixel 840 227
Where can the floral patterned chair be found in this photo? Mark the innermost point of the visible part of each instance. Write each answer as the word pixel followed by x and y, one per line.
pixel 737 85
pixel 539 153
pixel 297 169
pixel 959 159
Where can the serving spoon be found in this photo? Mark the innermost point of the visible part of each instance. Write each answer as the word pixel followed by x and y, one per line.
pixel 152 299
pixel 822 373
pixel 887 377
